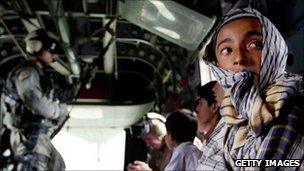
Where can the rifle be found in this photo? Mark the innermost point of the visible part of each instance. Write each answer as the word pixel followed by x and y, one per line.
pixel 60 126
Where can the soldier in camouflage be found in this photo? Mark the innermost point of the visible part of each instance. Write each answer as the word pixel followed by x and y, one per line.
pixel 39 112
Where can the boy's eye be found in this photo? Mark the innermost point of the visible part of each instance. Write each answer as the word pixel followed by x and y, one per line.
pixel 226 51
pixel 256 45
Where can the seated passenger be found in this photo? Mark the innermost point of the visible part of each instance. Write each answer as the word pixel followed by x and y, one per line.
pixel 153 135
pixel 211 126
pixel 207 109
pixel 181 130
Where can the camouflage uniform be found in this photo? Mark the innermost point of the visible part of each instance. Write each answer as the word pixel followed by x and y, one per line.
pixel 34 119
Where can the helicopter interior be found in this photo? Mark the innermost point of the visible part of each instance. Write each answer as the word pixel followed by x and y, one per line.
pixel 132 57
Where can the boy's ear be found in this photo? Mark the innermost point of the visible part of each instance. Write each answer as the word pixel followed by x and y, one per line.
pixel 214 107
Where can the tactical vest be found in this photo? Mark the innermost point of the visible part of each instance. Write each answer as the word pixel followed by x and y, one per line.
pixel 22 116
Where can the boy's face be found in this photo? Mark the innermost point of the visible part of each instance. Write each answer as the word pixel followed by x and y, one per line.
pixel 239 45
pixel 205 112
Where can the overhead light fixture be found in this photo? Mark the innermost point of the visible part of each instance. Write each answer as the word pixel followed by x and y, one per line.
pixel 168 32
pixel 2 30
pixel 168 20
pixel 162 9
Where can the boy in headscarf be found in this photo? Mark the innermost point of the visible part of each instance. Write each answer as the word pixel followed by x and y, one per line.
pixel 263 106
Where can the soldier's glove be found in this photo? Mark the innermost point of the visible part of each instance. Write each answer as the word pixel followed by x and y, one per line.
pixel 63 115
pixel 60 121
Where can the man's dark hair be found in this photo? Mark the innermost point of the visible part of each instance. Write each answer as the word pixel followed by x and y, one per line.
pixel 207 92
pixel 182 125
